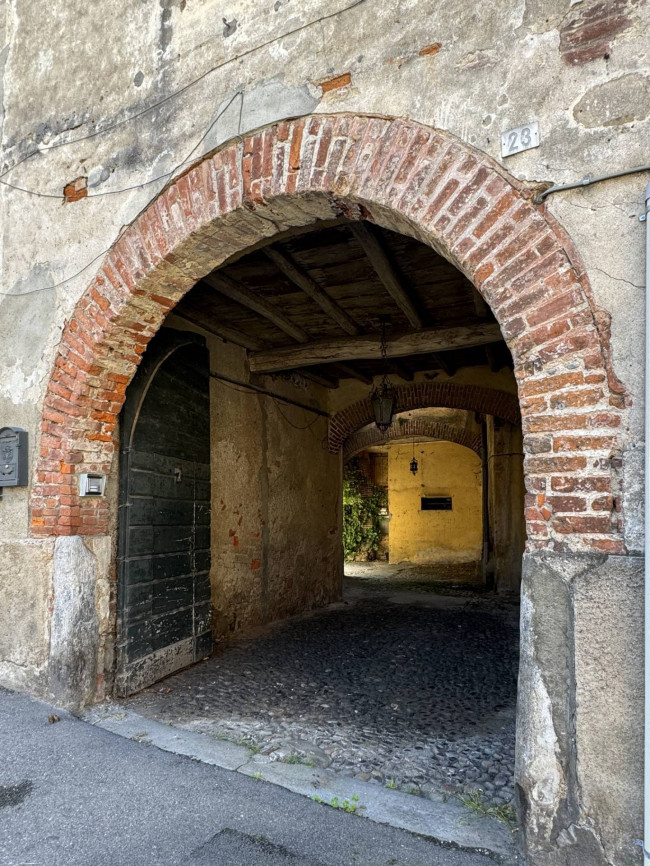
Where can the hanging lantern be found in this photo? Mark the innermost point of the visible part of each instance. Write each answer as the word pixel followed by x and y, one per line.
pixel 383 398
pixel 413 465
pixel 382 401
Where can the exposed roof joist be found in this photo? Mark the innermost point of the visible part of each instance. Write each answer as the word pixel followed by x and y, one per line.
pixel 496 357
pixel 247 298
pixel 401 370
pixel 374 250
pixel 300 278
pixel 225 332
pixel 320 378
pixel 353 373
pixel 368 347
pixel 446 364
pixel 481 308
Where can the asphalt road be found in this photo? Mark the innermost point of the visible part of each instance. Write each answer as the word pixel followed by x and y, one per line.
pixel 74 794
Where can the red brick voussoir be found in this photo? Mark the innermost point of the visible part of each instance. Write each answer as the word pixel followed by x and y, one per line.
pixel 434 430
pixel 401 175
pixel 425 395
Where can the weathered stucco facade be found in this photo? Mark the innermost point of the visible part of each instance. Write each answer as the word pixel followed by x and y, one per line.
pixel 444 469
pixel 277 117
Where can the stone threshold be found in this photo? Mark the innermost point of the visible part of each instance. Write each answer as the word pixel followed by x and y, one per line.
pixel 446 821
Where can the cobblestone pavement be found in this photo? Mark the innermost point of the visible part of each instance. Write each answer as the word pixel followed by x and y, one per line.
pixel 399 685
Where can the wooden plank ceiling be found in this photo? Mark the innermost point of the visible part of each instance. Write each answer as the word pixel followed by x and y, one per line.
pixel 331 284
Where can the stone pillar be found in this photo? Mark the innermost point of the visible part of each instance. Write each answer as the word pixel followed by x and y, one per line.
pixel 80 606
pixel 506 503
pixel 579 762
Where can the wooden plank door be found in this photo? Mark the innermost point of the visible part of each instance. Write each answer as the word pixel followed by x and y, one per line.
pixel 164 515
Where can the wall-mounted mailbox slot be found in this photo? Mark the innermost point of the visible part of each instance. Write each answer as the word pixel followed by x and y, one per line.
pixel 13 457
pixel 435 503
pixel 92 484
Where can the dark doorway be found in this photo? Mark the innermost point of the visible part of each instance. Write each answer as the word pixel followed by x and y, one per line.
pixel 164 537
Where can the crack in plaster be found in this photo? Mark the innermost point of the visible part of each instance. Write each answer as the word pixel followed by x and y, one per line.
pixel 618 279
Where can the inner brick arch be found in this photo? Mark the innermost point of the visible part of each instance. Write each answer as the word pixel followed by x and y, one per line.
pixel 434 430
pixel 406 177
pixel 425 395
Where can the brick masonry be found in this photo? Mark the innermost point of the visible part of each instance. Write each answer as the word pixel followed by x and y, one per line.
pixel 434 430
pixel 425 395
pixel 589 29
pixel 409 178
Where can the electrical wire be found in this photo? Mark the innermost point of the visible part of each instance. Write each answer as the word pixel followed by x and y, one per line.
pixel 290 423
pixel 187 160
pixel 256 389
pixel 275 399
pixel 275 402
pixel 139 114
pixel 46 148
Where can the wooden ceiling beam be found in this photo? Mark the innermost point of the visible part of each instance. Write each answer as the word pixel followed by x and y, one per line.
pixel 247 298
pixel 494 357
pixel 320 378
pixel 481 308
pixel 353 373
pixel 225 332
pixel 368 347
pixel 401 370
pixel 301 278
pixel 372 247
pixel 446 364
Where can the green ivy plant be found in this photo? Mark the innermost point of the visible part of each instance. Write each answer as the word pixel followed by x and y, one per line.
pixel 362 504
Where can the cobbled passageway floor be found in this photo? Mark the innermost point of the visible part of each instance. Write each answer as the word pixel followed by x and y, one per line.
pixel 409 683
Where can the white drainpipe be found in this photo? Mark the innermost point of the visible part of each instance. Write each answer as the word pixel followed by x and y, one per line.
pixel 646 803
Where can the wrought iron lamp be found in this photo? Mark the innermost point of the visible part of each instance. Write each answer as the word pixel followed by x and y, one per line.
pixel 413 465
pixel 383 398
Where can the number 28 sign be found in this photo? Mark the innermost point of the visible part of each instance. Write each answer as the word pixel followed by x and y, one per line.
pixel 521 138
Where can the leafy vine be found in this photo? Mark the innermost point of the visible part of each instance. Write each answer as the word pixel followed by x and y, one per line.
pixel 363 502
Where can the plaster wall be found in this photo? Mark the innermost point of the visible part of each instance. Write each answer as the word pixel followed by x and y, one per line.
pixel 121 94
pixel 474 70
pixel 445 469
pixel 276 498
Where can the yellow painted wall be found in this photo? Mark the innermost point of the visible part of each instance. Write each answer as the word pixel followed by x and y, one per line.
pixel 445 469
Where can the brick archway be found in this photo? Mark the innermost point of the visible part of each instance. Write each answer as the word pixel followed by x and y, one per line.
pixel 425 395
pixel 434 430
pixel 406 177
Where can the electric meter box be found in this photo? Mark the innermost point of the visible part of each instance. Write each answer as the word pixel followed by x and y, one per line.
pixel 13 457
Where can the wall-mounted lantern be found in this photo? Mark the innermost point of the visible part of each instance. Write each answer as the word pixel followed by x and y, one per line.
pixel 383 398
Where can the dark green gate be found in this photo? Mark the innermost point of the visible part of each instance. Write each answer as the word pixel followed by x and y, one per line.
pixel 164 514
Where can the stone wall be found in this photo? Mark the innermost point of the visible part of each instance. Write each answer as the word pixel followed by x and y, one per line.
pixel 579 771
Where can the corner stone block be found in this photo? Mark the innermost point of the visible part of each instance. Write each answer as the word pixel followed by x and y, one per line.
pixel 580 710
pixel 74 638
pixel 26 581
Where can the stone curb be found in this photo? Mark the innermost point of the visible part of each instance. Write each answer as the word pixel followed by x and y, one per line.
pixel 446 822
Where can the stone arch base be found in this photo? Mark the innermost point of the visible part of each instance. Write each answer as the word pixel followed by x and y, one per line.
pixel 579 743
